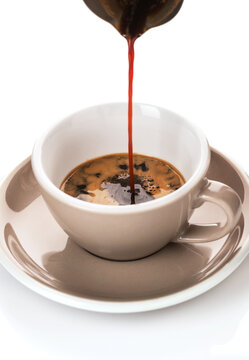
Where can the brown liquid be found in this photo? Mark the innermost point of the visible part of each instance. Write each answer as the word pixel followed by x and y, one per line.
pixel 132 18
pixel 105 180
pixel 131 55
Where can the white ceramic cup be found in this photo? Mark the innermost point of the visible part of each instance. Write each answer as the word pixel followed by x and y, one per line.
pixel 132 231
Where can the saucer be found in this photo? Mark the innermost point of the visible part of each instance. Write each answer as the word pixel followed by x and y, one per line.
pixel 36 251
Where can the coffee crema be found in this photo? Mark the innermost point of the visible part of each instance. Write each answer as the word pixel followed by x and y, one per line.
pixel 106 180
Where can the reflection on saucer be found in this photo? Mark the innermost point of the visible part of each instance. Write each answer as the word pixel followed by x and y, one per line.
pixel 22 189
pixel 172 269
pixel 167 271
pixel 74 270
pixel 36 248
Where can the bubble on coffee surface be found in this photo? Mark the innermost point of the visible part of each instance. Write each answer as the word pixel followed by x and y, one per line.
pixel 105 180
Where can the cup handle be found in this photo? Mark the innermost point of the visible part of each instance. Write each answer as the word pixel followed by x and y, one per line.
pixel 226 198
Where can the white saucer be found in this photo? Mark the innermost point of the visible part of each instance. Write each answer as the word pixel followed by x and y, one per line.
pixel 39 254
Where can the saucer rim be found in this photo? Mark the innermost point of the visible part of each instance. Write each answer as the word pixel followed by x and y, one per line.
pixel 131 306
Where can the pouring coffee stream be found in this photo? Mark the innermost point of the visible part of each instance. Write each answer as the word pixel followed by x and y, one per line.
pixel 132 18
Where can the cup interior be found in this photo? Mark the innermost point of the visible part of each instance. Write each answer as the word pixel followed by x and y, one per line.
pixel 102 130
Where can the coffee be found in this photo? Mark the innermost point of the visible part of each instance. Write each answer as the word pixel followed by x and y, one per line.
pixel 106 180
pixel 132 18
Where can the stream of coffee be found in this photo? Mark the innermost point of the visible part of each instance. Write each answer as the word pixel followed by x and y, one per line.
pixel 132 18
pixel 131 54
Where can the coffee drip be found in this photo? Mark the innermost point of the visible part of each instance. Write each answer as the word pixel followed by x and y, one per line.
pixel 132 18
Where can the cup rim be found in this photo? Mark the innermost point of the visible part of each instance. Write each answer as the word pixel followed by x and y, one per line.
pixel 68 200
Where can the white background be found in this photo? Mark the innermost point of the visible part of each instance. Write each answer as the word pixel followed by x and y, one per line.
pixel 56 57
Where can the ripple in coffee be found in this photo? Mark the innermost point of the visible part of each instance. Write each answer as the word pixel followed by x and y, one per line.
pixel 106 180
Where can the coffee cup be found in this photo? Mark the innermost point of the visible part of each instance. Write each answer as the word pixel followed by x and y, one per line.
pixel 133 231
